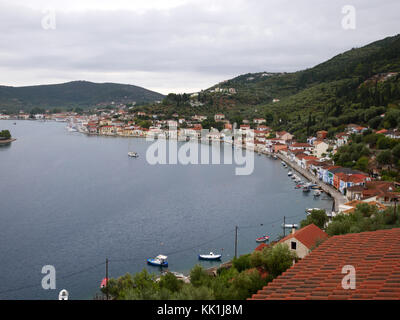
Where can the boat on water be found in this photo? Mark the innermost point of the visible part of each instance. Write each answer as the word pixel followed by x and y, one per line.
pixel 306 189
pixel 298 186
pixel 290 173
pixel 159 261
pixel 133 154
pixel 210 256
pixel 103 283
pixel 290 225
pixel 262 239
pixel 275 157
pixel 317 193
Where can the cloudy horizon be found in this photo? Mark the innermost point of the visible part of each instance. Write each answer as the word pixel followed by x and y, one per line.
pixel 178 45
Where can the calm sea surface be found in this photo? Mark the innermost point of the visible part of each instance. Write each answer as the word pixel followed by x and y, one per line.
pixel 71 201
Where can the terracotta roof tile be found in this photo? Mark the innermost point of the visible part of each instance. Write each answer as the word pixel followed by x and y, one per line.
pixel 375 256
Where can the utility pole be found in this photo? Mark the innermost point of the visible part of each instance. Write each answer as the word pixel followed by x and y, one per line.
pixel 107 278
pixel 284 226
pixel 236 240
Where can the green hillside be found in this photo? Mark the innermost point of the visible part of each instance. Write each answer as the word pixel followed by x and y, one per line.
pixel 82 94
pixel 351 87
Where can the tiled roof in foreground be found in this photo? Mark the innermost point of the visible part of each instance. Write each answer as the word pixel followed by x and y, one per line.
pixel 374 255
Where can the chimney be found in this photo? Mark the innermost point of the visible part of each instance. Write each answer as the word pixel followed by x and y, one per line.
pixel 293 230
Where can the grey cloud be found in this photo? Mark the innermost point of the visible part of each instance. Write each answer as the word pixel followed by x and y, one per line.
pixel 196 43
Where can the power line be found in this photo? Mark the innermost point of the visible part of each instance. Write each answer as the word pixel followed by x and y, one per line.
pixel 133 259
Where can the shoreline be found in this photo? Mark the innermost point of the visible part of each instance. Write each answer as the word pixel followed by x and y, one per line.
pixel 7 141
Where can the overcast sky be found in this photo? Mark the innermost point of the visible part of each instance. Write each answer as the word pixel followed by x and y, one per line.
pixel 178 45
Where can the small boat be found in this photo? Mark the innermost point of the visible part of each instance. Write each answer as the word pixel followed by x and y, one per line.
pixel 275 157
pixel 103 283
pixel 290 225
pixel 262 239
pixel 317 193
pixel 159 261
pixel 210 256
pixel 306 189
pixel 298 186
pixel 133 154
pixel 290 173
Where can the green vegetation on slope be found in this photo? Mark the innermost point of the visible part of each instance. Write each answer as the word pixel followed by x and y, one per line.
pixel 74 94
pixel 236 283
pixel 353 87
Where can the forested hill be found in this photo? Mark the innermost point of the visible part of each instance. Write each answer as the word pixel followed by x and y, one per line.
pixel 82 94
pixel 356 86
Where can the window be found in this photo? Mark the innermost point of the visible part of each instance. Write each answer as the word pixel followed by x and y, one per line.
pixel 293 245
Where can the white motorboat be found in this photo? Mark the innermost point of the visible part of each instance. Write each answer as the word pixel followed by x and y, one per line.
pixel 160 261
pixel 210 256
pixel 290 173
pixel 317 193
pixel 133 154
pixel 290 225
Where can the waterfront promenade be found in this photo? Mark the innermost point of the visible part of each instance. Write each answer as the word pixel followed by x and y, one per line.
pixel 339 198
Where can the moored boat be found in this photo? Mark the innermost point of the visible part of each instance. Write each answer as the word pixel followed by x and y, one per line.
pixel 290 225
pixel 210 256
pixel 317 193
pixel 262 239
pixel 133 154
pixel 290 173
pixel 103 283
pixel 159 261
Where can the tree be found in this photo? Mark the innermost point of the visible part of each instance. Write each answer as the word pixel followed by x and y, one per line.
pixel 170 282
pixel 274 260
pixel 384 157
pixel 362 164
pixel 317 217
pixel 198 276
pixel 5 134
pixel 242 263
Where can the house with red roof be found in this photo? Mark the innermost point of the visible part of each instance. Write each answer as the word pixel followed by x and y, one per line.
pixel 372 257
pixel 305 239
pixel 301 146
pixel 322 134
